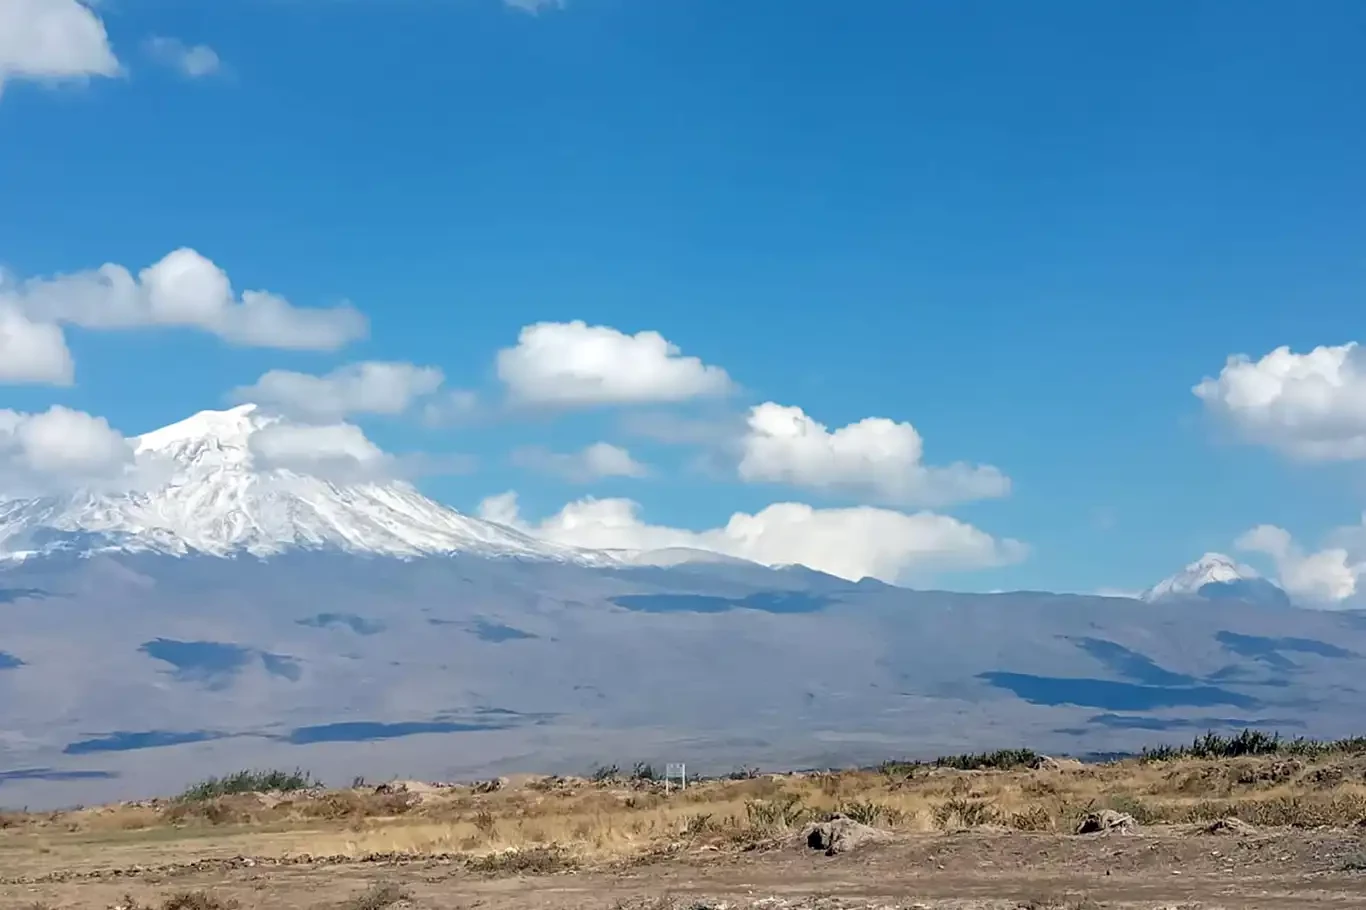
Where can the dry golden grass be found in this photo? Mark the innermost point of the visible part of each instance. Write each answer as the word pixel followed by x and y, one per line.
pixel 550 824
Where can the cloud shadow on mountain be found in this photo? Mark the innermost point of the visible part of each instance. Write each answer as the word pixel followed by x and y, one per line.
pixel 1110 695
pixel 125 741
pixel 362 731
pixel 10 595
pixel 215 664
pixel 497 633
pixel 52 774
pixel 1272 651
pixel 358 624
pixel 1131 664
pixel 1138 722
pixel 782 602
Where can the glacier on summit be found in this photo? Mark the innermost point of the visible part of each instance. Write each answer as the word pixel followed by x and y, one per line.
pixel 215 490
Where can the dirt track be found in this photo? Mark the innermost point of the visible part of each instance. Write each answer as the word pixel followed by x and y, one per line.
pixel 1281 870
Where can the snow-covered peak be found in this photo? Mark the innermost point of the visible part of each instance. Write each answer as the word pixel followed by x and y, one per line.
pixel 206 492
pixel 1215 576
pixel 232 428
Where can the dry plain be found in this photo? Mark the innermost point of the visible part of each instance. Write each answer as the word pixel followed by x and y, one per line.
pixel 1270 831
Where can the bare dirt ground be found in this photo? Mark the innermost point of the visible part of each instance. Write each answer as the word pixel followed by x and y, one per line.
pixel 970 840
pixel 1280 870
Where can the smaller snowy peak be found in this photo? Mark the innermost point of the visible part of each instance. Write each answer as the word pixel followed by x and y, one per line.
pixel 1215 576
pixel 677 556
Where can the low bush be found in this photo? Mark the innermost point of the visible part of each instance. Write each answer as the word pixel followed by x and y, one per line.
pixel 250 782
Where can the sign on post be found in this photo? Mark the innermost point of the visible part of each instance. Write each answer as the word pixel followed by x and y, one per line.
pixel 676 769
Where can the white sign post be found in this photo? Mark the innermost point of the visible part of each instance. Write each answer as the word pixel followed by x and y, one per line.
pixel 678 770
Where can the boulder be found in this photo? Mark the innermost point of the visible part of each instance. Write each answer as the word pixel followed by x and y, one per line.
pixel 1049 763
pixel 840 834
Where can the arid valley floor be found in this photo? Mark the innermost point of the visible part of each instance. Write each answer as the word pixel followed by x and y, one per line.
pixel 1276 832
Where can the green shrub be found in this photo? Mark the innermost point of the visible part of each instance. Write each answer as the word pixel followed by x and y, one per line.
pixel 874 814
pixel 1000 760
pixel 778 814
pixel 1212 745
pixel 250 782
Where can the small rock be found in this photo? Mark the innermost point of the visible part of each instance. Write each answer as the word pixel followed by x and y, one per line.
pixel 1229 825
pixel 1107 821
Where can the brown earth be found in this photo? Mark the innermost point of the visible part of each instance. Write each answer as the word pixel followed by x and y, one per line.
pixel 1266 833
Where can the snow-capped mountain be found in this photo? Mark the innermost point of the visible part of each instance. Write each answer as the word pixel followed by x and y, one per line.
pixel 213 495
pixel 1215 576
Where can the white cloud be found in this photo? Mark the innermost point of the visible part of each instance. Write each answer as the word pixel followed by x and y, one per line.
pixel 572 364
pixel 339 450
pixel 450 407
pixel 53 40
pixel 195 61
pixel 187 290
pixel 32 352
pixel 875 458
pixel 1324 578
pixel 850 543
pixel 599 460
pixel 534 7
pixel 371 387
pixel 1310 406
pixel 40 452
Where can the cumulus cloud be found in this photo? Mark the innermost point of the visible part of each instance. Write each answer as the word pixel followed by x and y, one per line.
pixel 1324 578
pixel 342 453
pixel 53 40
pixel 876 458
pixel 339 450
pixel 44 452
pixel 599 460
pixel 1310 406
pixel 572 364
pixel 186 290
pixel 32 352
pixel 371 387
pixel 850 543
pixel 194 61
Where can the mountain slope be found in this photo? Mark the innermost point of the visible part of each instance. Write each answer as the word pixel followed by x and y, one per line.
pixel 213 496
pixel 1215 576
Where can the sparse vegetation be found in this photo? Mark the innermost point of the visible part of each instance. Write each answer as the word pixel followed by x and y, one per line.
pixel 378 897
pixel 542 860
pixel 783 813
pixel 870 813
pixel 250 782
pixel 604 773
pixel 1254 742
pixel 197 900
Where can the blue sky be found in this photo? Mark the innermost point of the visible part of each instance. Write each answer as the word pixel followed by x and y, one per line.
pixel 1028 230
